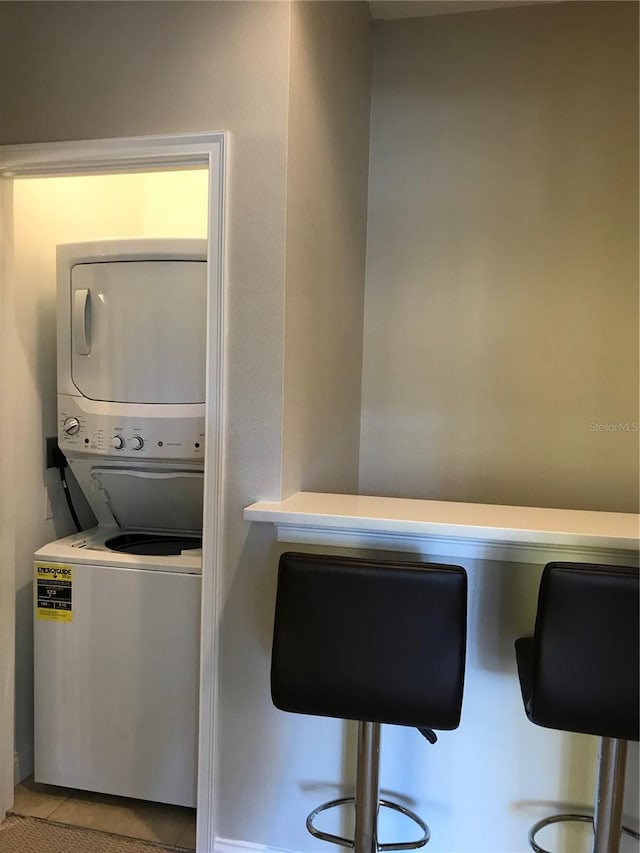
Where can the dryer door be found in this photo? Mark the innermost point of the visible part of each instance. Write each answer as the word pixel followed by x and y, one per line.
pixel 138 331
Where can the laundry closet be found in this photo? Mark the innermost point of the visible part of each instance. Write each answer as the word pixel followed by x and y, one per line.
pixel 111 273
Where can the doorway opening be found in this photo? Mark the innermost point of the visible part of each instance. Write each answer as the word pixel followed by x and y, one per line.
pixel 67 193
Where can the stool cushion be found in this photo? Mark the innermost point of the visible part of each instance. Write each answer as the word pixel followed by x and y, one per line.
pixel 579 672
pixel 370 640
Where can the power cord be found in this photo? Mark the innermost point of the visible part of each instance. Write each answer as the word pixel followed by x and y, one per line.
pixel 61 463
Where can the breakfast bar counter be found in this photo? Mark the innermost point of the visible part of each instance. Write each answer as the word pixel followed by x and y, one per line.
pixel 479 531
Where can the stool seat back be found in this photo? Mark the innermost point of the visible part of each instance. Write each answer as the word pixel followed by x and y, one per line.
pixel 579 672
pixel 370 640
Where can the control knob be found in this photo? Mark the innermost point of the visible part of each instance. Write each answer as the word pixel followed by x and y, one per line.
pixel 71 426
pixel 136 443
pixel 117 442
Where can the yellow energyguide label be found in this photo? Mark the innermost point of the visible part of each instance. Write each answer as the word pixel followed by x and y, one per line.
pixel 54 592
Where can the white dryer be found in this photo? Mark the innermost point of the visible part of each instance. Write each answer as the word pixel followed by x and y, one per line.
pixel 117 608
pixel 131 319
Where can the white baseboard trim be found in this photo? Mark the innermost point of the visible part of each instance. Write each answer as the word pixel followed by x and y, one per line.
pixel 229 845
pixel 22 764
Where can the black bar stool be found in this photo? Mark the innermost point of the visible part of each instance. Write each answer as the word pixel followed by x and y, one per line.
pixel 373 641
pixel 579 673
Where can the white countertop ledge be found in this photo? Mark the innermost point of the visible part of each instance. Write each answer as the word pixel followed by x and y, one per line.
pixel 446 528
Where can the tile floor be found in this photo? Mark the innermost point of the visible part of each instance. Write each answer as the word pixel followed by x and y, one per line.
pixel 172 826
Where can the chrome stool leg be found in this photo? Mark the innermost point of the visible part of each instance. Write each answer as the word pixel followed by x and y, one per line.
pixel 607 817
pixel 367 802
pixel 367 788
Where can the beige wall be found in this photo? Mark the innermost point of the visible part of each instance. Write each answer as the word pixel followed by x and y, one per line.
pixel 328 155
pixel 502 267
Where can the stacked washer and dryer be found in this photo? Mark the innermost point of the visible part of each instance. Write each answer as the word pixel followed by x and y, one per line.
pixel 117 607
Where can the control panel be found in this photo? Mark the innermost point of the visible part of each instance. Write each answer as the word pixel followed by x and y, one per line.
pixel 155 435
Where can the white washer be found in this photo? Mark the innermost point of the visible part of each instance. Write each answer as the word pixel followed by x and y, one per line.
pixel 116 642
pixel 116 696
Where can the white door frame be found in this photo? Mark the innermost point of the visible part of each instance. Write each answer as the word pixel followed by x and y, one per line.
pixel 7 539
pixel 101 156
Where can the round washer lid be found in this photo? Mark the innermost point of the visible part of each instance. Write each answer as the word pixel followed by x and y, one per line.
pixel 153 544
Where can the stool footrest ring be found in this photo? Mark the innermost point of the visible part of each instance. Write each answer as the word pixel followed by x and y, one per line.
pixel 562 818
pixel 350 842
